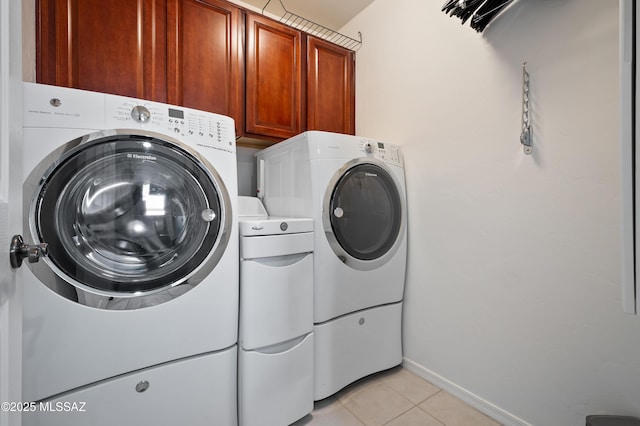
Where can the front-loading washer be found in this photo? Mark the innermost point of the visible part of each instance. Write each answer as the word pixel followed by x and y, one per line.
pixel 354 189
pixel 137 202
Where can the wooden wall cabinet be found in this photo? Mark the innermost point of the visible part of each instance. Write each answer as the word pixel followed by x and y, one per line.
pixel 203 64
pixel 330 87
pixel 273 80
pixel 183 52
pixel 117 49
pixel 274 85
pixel 296 82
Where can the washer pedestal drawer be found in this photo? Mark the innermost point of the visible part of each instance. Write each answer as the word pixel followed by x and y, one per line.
pixel 200 390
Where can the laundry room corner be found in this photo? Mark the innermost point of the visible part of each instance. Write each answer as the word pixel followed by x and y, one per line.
pixel 513 279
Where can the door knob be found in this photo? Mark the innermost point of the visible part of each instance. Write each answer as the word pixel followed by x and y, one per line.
pixel 19 251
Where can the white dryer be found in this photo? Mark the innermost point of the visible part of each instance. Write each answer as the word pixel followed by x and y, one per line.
pixel 136 303
pixel 354 189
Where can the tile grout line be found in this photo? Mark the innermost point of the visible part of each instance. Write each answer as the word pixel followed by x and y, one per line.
pixel 402 414
pixel 389 382
pixel 463 402
pixel 381 383
pixel 352 413
pixel 432 414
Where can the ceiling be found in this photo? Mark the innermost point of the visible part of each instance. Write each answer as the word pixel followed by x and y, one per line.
pixel 333 14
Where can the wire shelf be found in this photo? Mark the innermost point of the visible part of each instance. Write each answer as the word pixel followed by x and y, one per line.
pixel 317 30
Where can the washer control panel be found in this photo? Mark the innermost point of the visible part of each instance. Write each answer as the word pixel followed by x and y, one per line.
pixel 214 130
pixel 382 151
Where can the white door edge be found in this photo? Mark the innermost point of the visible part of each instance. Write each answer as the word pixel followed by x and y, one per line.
pixel 10 209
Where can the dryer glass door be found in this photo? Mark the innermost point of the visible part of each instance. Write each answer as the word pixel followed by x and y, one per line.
pixel 128 214
pixel 366 211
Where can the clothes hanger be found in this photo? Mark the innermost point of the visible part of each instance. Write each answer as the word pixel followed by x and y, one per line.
pixel 481 12
pixel 462 9
pixel 486 13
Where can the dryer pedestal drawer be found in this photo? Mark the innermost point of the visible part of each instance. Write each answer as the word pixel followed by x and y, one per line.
pixel 195 391
pixel 354 346
pixel 276 385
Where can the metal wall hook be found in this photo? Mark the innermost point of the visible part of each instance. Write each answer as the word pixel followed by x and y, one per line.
pixel 526 137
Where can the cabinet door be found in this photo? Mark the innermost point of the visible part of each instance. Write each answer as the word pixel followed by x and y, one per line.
pixel 203 63
pixel 116 48
pixel 330 87
pixel 274 84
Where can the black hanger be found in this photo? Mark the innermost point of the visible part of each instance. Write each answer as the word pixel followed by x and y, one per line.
pixel 486 13
pixel 450 4
pixel 481 12
pixel 462 9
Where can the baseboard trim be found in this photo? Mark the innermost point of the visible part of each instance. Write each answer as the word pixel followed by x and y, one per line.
pixel 482 405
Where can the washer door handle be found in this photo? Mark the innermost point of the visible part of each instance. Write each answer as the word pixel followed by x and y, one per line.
pixel 19 251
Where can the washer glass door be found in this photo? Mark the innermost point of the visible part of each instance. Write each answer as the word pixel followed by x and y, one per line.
pixel 365 212
pixel 129 215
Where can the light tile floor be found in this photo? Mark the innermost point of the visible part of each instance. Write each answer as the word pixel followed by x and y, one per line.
pixel 396 397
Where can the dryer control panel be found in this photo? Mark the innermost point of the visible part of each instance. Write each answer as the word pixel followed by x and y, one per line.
pixel 382 151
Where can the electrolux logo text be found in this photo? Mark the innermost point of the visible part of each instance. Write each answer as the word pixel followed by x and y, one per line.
pixel 141 156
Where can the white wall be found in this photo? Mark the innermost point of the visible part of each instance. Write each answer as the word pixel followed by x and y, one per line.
pixel 513 287
pixel 247 171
